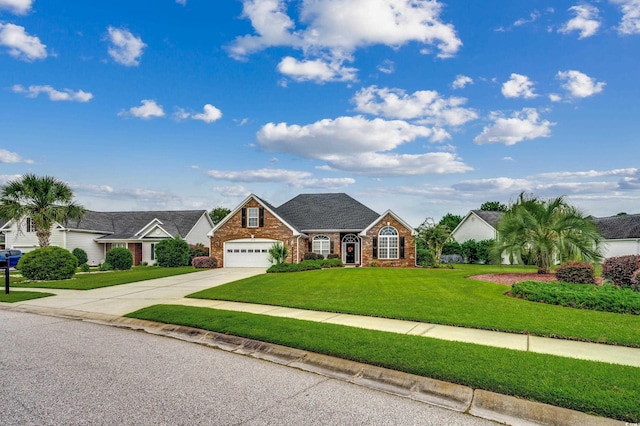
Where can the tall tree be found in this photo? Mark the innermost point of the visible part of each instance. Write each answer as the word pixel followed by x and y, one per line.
pixel 450 220
pixel 42 200
pixel 433 236
pixel 547 230
pixel 494 206
pixel 218 214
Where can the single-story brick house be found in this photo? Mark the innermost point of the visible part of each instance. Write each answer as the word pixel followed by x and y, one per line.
pixel 620 234
pixel 331 223
pixel 98 232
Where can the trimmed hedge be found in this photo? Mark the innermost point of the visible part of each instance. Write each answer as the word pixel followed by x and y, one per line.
pixel 606 298
pixel 620 270
pixel 576 272
pixel 120 259
pixel 48 264
pixel 305 265
pixel 204 262
pixel 172 253
pixel 312 256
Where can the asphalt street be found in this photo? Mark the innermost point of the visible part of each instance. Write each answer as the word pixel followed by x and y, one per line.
pixel 56 371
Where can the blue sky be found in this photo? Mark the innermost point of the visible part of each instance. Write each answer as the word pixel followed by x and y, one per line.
pixel 423 107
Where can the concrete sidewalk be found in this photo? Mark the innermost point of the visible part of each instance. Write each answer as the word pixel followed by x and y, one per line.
pixel 122 299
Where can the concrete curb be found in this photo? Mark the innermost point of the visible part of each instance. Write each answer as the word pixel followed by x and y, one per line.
pixel 477 402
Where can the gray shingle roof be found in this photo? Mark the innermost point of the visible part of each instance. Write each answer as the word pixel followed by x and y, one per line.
pixel 619 227
pixel 124 225
pixel 491 217
pixel 333 211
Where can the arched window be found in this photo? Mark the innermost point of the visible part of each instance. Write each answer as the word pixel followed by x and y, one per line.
pixel 321 245
pixel 388 243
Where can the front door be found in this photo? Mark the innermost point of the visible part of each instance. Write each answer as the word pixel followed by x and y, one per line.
pixel 351 253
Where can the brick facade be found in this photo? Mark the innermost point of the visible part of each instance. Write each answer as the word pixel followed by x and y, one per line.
pixel 409 244
pixel 273 229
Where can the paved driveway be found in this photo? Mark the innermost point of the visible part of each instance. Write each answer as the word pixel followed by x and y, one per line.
pixel 122 299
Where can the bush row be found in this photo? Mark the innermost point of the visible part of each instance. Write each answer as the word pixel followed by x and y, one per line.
pixel 471 251
pixel 622 271
pixel 200 262
pixel 305 265
pixel 576 272
pixel 606 298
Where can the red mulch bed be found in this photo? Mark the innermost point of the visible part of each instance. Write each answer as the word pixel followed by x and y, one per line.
pixel 509 279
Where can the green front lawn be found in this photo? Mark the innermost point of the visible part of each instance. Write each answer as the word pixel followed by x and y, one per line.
pixel 93 280
pixel 20 296
pixel 598 388
pixel 443 296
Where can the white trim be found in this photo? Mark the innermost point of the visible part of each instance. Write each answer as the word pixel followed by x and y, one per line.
pixel 388 246
pixel 145 235
pixel 395 216
pixel 357 255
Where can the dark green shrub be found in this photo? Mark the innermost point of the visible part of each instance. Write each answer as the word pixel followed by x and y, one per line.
pixel 48 264
pixel 620 269
pixel 312 256
pixel 333 256
pixel 451 247
pixel 202 262
pixel 198 250
pixel 85 267
pixel 120 258
pixel 606 298
pixel 483 251
pixel 81 255
pixel 424 257
pixel 173 253
pixel 305 265
pixel 105 267
pixel 331 263
pixel 576 272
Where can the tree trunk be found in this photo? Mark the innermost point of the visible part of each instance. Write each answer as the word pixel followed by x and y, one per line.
pixel 44 235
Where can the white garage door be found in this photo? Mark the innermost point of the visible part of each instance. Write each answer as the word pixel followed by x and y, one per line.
pixel 247 253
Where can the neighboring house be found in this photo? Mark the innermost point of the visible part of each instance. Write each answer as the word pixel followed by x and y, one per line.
pixel 98 232
pixel 621 235
pixel 319 223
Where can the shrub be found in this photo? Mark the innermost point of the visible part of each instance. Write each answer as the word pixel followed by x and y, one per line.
pixel 483 250
pixel 202 262
pixel 173 253
pixel 470 251
pixel 576 272
pixel 620 269
pixel 48 264
pixel 333 256
pixel 607 298
pixel 306 265
pixel 451 247
pixel 85 267
pixel 105 267
pixel 331 263
pixel 119 258
pixel 81 255
pixel 312 256
pixel 424 258
pixel 278 253
pixel 198 250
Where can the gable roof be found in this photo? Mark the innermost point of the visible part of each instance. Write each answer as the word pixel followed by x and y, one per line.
pixel 489 216
pixel 329 211
pixel 127 225
pixel 619 227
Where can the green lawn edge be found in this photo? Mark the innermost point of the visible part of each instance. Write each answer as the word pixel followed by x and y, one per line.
pixel 21 296
pixel 442 296
pixel 601 389
pixel 90 281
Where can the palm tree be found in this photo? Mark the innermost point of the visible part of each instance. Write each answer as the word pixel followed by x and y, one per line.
pixel 44 200
pixel 547 231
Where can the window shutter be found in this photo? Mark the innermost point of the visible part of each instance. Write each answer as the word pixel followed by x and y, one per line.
pixel 401 247
pixel 244 217
pixel 261 217
pixel 331 249
pixel 375 247
pixel 310 249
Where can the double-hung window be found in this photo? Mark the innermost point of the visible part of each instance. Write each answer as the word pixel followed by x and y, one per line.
pixel 253 217
pixel 321 245
pixel 388 243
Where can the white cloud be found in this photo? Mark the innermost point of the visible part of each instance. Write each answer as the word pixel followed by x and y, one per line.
pixel 461 81
pixel 386 67
pixel 425 105
pixel 502 184
pixel 522 125
pixel 518 86
pixel 21 45
pixel 590 174
pixel 232 191
pixel 533 16
pixel 12 157
pixel 125 49
pixel 293 178
pixel 54 95
pixel 316 70
pixel 182 2
pixel 377 164
pixel 554 97
pixel 147 110
pixel 333 29
pixel 19 7
pixel 209 115
pixel 630 16
pixel 586 21
pixel 580 85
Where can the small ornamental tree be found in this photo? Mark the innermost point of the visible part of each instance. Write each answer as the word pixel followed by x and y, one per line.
pixel 433 237
pixel 120 258
pixel 173 253
pixel 278 253
pixel 48 264
pixel 81 255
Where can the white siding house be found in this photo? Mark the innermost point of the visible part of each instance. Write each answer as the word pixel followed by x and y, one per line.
pixel 621 235
pixel 98 232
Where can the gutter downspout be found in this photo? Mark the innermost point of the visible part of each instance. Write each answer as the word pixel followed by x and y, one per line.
pixel 298 249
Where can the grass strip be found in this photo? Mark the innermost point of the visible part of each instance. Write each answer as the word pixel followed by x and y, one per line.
pixel 597 388
pixel 20 296
pixel 441 296
pixel 93 280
